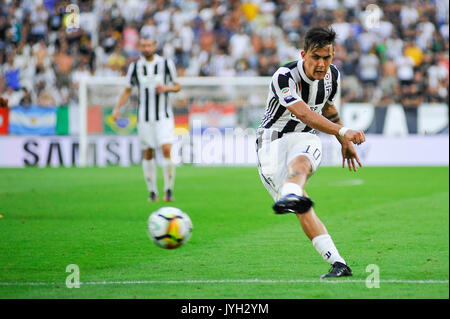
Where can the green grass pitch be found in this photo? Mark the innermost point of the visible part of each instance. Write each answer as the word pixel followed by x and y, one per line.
pixel 396 218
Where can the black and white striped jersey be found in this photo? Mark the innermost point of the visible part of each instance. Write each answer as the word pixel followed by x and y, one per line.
pixel 146 75
pixel 289 85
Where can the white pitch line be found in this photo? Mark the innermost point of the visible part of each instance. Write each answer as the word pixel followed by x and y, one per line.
pixel 236 281
pixel 351 182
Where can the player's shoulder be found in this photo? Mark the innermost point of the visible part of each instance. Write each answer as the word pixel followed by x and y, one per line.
pixel 133 62
pixel 290 65
pixel 286 68
pixel 162 58
pixel 334 71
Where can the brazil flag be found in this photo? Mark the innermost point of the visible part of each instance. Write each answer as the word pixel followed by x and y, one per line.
pixel 125 125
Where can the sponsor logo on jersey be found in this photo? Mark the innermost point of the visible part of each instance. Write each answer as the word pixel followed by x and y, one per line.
pixel 289 99
pixel 285 91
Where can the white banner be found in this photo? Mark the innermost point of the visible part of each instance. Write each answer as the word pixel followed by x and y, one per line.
pixel 233 147
pixel 412 150
pixel 395 120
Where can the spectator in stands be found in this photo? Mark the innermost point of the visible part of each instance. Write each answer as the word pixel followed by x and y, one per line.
pixel 38 18
pixel 40 55
pixel 4 102
pixel 352 90
pixel 405 68
pixel 63 64
pixel 239 44
pixel 26 99
pixel 437 75
pixel 45 96
pixel 149 29
pixel 341 26
pixel 425 33
pixel 413 51
pixel 11 73
pixel 368 72
pixel 389 83
pixel 394 46
pixel 14 97
pixel 408 15
pixel 412 98
pixel 242 37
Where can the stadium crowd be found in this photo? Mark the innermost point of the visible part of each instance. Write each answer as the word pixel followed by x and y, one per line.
pixel 394 51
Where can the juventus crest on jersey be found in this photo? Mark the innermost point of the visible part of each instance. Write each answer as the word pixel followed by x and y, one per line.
pixel 146 75
pixel 289 85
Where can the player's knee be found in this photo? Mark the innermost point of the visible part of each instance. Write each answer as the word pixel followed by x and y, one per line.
pixel 149 154
pixel 301 164
pixel 166 150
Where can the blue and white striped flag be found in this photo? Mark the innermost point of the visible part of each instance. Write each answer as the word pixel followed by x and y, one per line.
pixel 32 120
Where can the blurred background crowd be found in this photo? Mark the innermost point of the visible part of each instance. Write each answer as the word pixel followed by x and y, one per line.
pixel 395 51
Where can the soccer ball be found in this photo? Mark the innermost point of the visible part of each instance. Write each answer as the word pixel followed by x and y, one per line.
pixel 169 227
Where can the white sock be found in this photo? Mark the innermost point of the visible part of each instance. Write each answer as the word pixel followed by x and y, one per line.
pixel 326 248
pixel 169 174
pixel 149 168
pixel 291 188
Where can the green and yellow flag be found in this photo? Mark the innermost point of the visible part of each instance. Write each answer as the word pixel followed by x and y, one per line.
pixel 125 125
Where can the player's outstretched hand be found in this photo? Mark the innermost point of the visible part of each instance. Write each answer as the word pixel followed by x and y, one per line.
pixel 356 137
pixel 116 114
pixel 350 157
pixel 162 89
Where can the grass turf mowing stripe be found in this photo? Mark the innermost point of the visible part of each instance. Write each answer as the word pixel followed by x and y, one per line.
pixel 235 281
pixel 395 218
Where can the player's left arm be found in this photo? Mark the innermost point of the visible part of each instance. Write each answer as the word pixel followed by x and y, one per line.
pixel 348 151
pixel 173 86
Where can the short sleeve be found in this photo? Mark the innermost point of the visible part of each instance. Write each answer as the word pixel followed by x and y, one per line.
pixel 284 87
pixel 131 76
pixel 171 71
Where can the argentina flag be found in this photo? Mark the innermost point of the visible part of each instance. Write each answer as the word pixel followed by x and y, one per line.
pixel 32 120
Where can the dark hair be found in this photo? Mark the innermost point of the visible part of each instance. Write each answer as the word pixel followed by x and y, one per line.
pixel 318 37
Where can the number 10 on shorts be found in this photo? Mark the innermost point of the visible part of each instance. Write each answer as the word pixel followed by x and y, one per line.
pixel 315 152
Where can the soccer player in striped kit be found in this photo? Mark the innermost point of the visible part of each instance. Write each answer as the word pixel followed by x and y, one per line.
pixel 155 77
pixel 300 103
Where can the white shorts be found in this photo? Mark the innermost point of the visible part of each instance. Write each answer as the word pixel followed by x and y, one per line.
pixel 155 134
pixel 274 155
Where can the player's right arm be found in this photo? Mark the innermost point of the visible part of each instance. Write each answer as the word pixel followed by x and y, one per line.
pixel 122 100
pixel 131 78
pixel 302 111
pixel 285 89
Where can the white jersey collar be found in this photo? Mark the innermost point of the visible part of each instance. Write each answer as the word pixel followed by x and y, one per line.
pixel 156 58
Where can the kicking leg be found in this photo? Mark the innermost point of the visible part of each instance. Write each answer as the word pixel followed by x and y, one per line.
pixel 323 243
pixel 294 199
pixel 311 224
pixel 292 193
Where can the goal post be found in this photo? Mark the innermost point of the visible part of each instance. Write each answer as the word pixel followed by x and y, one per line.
pixel 248 91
